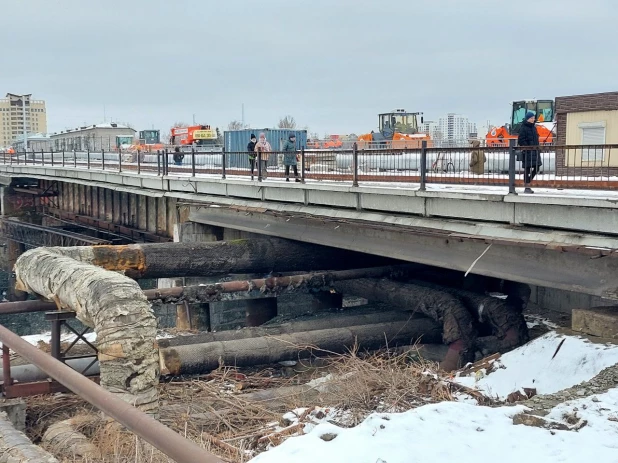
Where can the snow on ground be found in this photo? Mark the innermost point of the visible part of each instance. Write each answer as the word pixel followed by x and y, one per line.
pixel 452 431
pixel 532 366
pixel 468 433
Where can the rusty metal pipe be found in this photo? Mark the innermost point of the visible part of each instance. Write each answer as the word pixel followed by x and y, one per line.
pixel 204 293
pixel 163 438
pixel 209 292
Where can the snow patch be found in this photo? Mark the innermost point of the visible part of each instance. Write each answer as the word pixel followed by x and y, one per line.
pixel 532 366
pixel 473 434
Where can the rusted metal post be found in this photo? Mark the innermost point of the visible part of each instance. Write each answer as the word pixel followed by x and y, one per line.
pixel 51 152
pixel 163 438
pixel 158 162
pixel 56 326
pixel 63 158
pixel 6 365
pixel 512 167
pixel 354 164
pixel 119 159
pixel 302 165
pixel 88 159
pixel 42 158
pixel 139 162
pixel 423 166
pixel 102 159
pixel 223 161
pixel 193 161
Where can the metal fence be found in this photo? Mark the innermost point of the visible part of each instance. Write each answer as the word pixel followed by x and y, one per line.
pixel 574 166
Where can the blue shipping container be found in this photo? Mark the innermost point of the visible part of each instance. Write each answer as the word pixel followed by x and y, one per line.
pixel 236 141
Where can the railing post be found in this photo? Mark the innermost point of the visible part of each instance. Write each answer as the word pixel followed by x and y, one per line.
pixel 259 165
pixel 88 159
pixel 302 165
pixel 63 157
pixel 6 365
pixel 74 158
pixel 42 158
pixel 102 159
pixel 51 152
pixel 223 159
pixel 512 167
pixel 354 164
pixel 193 161
pixel 119 160
pixel 165 164
pixel 158 162
pixel 423 166
pixel 139 162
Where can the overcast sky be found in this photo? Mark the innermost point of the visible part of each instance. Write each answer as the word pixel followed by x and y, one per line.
pixel 332 64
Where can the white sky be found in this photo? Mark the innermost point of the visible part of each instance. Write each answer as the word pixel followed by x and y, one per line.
pixel 332 64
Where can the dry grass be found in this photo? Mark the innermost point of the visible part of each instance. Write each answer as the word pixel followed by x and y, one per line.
pixel 237 414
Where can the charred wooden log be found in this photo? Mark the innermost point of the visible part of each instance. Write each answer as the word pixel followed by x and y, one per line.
pixel 165 260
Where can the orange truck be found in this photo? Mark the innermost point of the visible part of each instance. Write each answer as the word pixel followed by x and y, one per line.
pixel 544 111
pixel 198 134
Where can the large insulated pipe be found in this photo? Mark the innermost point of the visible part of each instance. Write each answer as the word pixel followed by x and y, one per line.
pixel 163 438
pixel 200 358
pixel 110 303
pixel 167 260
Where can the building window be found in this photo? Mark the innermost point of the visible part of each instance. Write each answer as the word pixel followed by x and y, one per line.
pixel 593 133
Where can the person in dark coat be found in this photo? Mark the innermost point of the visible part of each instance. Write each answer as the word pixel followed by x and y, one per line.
pixel 178 156
pixel 531 158
pixel 289 157
pixel 252 153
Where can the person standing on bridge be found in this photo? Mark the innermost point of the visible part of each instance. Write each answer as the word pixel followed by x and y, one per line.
pixel 264 149
pixel 251 150
pixel 477 158
pixel 289 157
pixel 531 158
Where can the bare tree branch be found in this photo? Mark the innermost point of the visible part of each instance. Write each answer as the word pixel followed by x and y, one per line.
pixel 287 122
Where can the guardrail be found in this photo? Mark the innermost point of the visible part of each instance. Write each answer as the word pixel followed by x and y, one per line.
pixel 573 166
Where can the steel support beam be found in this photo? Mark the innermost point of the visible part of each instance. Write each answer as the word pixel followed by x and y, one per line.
pixel 581 269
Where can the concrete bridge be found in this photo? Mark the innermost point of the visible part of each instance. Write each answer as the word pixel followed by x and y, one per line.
pixel 554 239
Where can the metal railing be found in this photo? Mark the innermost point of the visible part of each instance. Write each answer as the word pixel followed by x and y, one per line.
pixel 573 166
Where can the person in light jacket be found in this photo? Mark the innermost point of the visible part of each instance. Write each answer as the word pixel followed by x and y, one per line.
pixel 289 157
pixel 477 158
pixel 264 149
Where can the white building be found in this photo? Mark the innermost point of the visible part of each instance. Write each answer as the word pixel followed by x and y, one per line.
pixel 455 130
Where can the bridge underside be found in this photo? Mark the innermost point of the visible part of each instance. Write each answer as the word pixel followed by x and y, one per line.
pixel 573 268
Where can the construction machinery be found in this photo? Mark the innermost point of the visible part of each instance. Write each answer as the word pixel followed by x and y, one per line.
pixel 197 135
pixel 545 126
pixel 397 129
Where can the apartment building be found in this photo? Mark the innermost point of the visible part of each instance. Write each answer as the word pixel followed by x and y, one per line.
pixel 12 117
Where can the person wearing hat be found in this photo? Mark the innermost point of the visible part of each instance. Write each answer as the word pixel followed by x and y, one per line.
pixel 531 158
pixel 289 157
pixel 252 155
pixel 264 149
